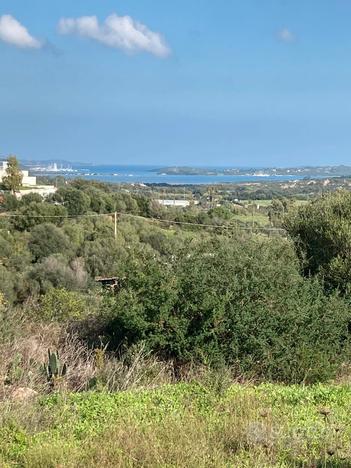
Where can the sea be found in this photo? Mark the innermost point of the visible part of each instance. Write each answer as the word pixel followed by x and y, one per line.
pixel 150 175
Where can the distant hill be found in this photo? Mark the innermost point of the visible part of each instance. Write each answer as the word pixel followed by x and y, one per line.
pixel 307 171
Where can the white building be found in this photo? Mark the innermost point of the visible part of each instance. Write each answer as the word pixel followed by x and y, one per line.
pixel 27 180
pixel 42 190
pixel 178 203
pixel 29 183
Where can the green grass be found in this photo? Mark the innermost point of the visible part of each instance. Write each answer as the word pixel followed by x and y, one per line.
pixel 257 202
pixel 267 203
pixel 181 425
pixel 259 219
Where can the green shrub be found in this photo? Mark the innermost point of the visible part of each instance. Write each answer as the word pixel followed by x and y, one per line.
pixel 76 201
pixel 55 271
pixel 47 239
pixel 34 213
pixel 62 305
pixel 321 231
pixel 239 303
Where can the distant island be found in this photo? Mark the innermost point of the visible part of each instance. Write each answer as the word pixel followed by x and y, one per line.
pixel 307 171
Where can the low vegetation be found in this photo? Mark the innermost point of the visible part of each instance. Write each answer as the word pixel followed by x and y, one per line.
pixel 185 359
pixel 182 425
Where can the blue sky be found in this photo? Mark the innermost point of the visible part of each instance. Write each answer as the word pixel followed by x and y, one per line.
pixel 203 82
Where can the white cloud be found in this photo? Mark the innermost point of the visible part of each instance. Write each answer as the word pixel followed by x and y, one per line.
pixel 119 32
pixel 13 32
pixel 285 35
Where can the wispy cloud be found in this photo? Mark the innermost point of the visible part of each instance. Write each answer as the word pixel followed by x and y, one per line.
pixel 14 33
pixel 285 35
pixel 119 32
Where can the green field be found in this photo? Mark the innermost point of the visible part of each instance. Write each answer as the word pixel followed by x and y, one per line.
pixel 257 202
pixel 182 425
pixel 267 203
pixel 257 218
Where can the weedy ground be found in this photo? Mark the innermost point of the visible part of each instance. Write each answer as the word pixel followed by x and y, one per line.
pixel 181 425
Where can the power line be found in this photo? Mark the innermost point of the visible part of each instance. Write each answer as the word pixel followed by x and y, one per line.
pixel 144 218
pixel 16 215
pixel 220 226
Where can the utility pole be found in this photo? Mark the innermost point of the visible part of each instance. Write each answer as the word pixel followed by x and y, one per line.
pixel 115 224
pixel 211 198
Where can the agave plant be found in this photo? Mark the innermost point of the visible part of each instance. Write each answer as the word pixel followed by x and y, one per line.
pixel 54 369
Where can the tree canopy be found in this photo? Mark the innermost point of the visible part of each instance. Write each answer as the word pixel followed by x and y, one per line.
pixel 13 179
pixel 321 231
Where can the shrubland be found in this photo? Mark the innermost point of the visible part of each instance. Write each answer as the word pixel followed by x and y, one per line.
pixel 190 296
pixel 193 305
pixel 321 231
pixel 227 302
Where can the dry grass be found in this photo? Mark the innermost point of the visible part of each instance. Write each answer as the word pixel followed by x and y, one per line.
pixel 24 350
pixel 23 357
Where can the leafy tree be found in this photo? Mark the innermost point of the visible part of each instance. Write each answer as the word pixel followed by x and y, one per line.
pixel 31 197
pixel 103 257
pixel 321 231
pixel 76 232
pixel 37 213
pixel 9 202
pixel 55 271
pixel 13 179
pixel 143 206
pixel 47 239
pixel 14 252
pixel 278 209
pixel 98 200
pixel 76 201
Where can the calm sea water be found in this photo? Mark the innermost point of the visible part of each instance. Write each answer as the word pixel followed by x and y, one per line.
pixel 149 175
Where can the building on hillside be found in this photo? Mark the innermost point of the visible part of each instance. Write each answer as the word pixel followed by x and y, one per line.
pixel 42 190
pixel 27 180
pixel 178 203
pixel 29 183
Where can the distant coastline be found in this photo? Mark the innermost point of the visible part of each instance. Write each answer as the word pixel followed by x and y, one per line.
pixel 180 175
pixel 307 171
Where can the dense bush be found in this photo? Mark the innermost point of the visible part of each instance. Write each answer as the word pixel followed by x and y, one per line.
pixel 76 201
pixel 47 239
pixel 189 294
pixel 239 303
pixel 56 271
pixel 321 231
pixel 62 305
pixel 29 215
